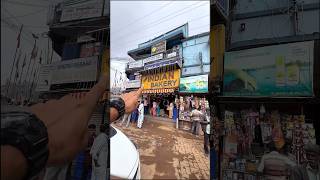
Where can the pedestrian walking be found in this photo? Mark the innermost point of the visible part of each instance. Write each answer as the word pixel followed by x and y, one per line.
pixel 134 116
pixel 146 107
pixel 126 117
pixel 175 115
pixel 158 109
pixel 141 115
pixel 196 116
pixel 206 131
pixel 129 120
pixel 154 108
pixel 170 109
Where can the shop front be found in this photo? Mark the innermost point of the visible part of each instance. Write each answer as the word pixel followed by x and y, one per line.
pixel 193 91
pixel 268 119
pixel 160 91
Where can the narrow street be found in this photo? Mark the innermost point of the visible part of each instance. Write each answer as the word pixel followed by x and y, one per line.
pixel 167 153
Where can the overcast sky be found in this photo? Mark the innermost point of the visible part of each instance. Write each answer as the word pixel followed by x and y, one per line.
pixel 134 22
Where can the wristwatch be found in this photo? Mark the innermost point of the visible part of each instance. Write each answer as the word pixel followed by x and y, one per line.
pixel 22 129
pixel 119 105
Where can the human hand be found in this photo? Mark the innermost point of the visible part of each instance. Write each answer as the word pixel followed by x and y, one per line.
pixel 131 100
pixel 66 120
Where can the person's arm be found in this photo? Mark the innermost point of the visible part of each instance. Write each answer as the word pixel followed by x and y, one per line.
pixel 13 163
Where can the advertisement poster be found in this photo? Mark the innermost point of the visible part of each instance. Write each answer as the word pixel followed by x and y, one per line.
pixel 44 81
pixel 194 84
pixel 158 48
pixel 76 70
pixel 169 79
pixel 133 84
pixel 76 10
pixel 279 70
pixel 136 64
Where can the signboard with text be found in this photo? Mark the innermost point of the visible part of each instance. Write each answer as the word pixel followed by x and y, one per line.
pixel 279 70
pixel 75 70
pixel 194 84
pixel 153 58
pixel 136 64
pixel 44 81
pixel 158 48
pixel 169 79
pixel 133 84
pixel 77 10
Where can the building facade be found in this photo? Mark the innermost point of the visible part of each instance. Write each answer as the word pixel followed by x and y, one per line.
pixel 172 68
pixel 79 32
pixel 264 69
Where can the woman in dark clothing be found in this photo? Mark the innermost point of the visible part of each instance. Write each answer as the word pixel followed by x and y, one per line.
pixel 135 115
pixel 175 113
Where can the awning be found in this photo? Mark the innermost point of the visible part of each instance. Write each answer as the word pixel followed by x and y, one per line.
pixel 157 91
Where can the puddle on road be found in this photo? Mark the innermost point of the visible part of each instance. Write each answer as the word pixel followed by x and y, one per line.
pixel 165 128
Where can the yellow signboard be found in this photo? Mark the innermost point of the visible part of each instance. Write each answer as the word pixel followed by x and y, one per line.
pixel 169 79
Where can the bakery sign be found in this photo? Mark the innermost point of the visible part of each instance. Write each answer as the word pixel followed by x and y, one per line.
pixel 168 80
pixel 158 48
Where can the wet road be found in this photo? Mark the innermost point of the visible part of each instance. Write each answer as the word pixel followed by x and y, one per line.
pixel 167 153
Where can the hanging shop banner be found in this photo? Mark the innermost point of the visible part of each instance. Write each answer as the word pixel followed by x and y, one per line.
pixel 280 70
pixel 194 84
pixel 76 10
pixel 44 81
pixel 153 58
pixel 158 48
pixel 133 84
pixel 136 64
pixel 159 64
pixel 171 55
pixel 169 79
pixel 75 70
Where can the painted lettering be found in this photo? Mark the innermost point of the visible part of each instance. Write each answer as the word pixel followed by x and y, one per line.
pixel 171 74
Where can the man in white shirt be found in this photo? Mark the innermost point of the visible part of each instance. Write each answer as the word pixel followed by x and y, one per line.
pixel 275 165
pixel 141 114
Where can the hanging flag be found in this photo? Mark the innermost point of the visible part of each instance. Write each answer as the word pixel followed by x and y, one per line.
pixel 24 60
pixel 18 60
pixel 19 36
pixel 17 75
pixel 40 57
pixel 34 51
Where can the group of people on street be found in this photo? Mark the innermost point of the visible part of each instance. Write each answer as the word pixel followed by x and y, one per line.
pixel 137 116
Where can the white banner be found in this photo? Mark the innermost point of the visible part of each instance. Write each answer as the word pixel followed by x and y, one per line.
pixel 44 81
pixel 153 58
pixel 75 70
pixel 171 55
pixel 133 84
pixel 82 10
pixel 136 64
